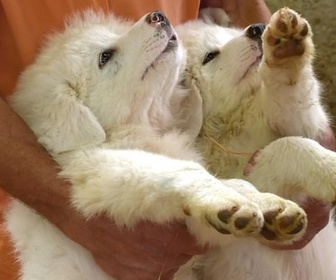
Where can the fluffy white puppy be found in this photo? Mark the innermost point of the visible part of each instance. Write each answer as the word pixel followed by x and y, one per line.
pixel 98 99
pixel 256 86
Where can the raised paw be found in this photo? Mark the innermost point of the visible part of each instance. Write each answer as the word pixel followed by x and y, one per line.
pixel 284 220
pixel 286 35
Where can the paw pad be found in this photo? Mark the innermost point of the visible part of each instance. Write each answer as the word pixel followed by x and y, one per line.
pixel 225 215
pixel 242 222
pixel 286 33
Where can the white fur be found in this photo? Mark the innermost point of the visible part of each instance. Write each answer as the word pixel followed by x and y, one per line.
pixel 119 142
pixel 248 103
pixel 111 131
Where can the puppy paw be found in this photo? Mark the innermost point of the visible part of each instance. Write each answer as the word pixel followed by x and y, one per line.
pixel 287 36
pixel 226 211
pixel 240 220
pixel 284 220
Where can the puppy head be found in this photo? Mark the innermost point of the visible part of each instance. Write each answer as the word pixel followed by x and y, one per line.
pixel 98 74
pixel 222 63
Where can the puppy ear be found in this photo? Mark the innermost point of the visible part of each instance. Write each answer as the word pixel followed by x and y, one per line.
pixel 66 122
pixel 196 109
pixel 189 109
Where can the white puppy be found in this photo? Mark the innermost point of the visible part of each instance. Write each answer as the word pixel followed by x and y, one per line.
pixel 255 87
pixel 98 99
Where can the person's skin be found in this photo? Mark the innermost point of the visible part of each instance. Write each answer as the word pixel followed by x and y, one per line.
pixel 242 12
pixel 29 174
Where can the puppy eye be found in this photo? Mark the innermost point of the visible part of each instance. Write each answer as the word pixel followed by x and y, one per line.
pixel 104 57
pixel 209 56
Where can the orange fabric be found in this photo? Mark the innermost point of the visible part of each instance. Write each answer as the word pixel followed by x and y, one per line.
pixel 24 24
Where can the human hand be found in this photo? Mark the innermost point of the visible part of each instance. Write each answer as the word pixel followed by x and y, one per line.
pixel 148 251
pixel 241 12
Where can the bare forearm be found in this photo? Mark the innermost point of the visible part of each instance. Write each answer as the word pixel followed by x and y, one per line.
pixel 253 11
pixel 27 172
pixel 242 12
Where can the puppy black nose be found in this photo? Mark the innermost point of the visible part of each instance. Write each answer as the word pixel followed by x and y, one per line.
pixel 157 17
pixel 255 31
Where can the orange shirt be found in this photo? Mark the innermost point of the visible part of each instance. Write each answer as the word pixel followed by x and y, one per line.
pixel 24 24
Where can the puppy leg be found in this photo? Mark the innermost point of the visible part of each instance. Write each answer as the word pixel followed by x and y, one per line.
pixel 295 166
pixel 131 185
pixel 290 91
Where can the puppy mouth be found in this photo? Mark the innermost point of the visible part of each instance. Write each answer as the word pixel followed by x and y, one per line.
pixel 255 63
pixel 170 46
pixel 172 42
pixel 252 65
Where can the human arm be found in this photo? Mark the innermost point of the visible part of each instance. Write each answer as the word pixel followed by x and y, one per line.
pixel 28 173
pixel 242 12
